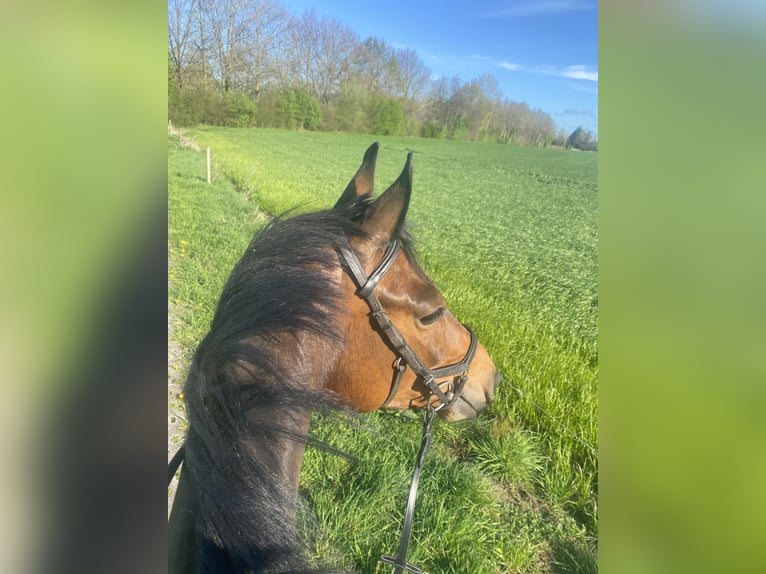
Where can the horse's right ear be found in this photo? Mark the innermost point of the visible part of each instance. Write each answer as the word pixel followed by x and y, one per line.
pixel 362 183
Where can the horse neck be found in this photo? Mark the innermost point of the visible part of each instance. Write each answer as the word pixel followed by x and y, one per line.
pixel 270 519
pixel 237 506
pixel 280 451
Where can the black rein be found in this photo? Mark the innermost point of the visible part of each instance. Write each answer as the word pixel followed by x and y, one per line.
pixel 408 358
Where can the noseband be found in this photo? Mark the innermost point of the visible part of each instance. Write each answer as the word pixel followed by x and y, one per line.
pixel 407 357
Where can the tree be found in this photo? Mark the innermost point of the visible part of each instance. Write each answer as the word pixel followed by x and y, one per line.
pixel 228 27
pixel 385 114
pixel 347 111
pixel 444 106
pixel 412 83
pixel 182 48
pixel 320 51
pixel 582 140
pixel 268 23
pixel 248 62
pixel 414 75
pixel 561 138
pixel 374 65
pixel 300 110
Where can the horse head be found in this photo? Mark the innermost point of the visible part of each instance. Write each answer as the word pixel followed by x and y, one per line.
pixel 404 348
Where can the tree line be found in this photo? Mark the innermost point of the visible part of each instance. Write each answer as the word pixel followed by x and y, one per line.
pixel 253 63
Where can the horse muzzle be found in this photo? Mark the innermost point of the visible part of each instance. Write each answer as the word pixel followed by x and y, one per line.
pixel 476 395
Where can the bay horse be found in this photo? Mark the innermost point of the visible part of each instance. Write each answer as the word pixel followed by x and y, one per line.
pixel 313 316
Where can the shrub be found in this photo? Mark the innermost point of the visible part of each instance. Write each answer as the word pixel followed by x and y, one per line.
pixel 296 109
pixel 384 115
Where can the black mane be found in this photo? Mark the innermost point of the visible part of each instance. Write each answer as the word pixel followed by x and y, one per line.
pixel 278 284
pixel 241 398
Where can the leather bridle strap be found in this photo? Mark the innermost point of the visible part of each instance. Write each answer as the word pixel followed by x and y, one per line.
pixel 366 286
pixel 408 358
pixel 175 462
pixel 400 561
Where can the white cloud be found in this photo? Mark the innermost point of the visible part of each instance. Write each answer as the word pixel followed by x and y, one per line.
pixel 580 73
pixel 542 7
pixel 509 66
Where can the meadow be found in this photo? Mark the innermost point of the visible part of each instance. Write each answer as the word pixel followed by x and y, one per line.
pixel 509 235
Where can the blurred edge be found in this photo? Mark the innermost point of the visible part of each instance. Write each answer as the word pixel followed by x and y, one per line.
pixel 83 285
pixel 682 280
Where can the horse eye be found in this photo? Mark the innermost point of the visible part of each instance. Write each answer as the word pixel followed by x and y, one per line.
pixel 432 317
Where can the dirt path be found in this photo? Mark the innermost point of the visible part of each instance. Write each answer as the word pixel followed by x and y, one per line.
pixel 176 377
pixel 177 364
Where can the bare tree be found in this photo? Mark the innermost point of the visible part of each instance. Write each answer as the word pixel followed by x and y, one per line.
pixel 321 49
pixel 374 64
pixel 255 45
pixel 182 28
pixel 230 31
pixel 268 23
pixel 414 74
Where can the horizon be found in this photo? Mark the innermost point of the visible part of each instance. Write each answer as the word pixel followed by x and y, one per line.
pixel 543 53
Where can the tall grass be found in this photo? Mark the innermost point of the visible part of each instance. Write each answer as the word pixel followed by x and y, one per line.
pixel 509 236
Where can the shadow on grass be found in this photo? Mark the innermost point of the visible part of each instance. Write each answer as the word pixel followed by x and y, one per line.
pixel 572 557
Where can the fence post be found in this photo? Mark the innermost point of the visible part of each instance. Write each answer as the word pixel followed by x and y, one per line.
pixel 207 154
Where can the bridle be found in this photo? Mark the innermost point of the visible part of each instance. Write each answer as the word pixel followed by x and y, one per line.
pixel 406 356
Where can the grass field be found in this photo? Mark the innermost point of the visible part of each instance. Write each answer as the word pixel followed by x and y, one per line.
pixel 509 235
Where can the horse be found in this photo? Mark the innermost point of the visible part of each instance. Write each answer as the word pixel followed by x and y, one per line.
pixel 327 310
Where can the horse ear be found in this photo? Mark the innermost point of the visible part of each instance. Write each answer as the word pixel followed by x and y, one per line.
pixel 362 183
pixel 386 216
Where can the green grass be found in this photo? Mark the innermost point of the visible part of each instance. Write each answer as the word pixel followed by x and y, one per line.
pixel 509 235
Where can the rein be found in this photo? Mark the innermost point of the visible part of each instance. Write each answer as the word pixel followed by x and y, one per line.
pixel 400 562
pixel 175 462
pixel 408 358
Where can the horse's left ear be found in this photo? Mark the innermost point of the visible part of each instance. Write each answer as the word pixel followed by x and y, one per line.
pixel 362 182
pixel 386 216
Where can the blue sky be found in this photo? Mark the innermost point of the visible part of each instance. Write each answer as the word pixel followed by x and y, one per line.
pixel 542 52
